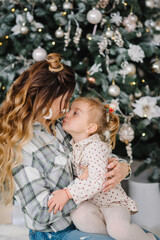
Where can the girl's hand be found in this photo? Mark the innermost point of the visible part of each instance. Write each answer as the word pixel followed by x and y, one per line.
pixel 58 200
pixel 117 171
pixel 85 173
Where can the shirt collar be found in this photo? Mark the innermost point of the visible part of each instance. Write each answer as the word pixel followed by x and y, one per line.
pixel 94 137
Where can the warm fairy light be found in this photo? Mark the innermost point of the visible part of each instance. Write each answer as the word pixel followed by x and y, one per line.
pixel 143 80
pixel 53 43
pixel 125 4
pixel 133 83
pixel 143 134
pixel 3 87
pixel 147 30
pixel 13 10
pixel 25 9
pixel 145 115
pixel 64 13
pixel 1 43
pixel 6 37
pixel 39 29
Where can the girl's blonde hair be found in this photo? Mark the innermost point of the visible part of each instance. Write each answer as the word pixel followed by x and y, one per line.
pixel 98 114
pixel 32 92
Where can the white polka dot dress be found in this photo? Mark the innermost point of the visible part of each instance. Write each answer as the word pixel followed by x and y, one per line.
pixel 94 153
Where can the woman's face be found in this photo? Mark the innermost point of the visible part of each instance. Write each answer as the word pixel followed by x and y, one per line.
pixel 57 112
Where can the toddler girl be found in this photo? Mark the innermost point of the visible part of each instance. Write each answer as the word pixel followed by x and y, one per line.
pixel 106 212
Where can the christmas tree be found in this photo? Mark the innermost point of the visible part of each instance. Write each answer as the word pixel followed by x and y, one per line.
pixel 113 47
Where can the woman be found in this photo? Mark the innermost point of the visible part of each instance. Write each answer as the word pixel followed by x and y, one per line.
pixel 34 148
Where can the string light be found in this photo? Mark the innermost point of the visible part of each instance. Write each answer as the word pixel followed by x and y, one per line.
pixel 6 37
pixel 133 83
pixel 3 87
pixel 143 80
pixel 25 9
pixel 64 13
pixel 53 43
pixel 147 30
pixel 39 29
pixel 145 115
pixel 1 43
pixel 13 10
pixel 143 134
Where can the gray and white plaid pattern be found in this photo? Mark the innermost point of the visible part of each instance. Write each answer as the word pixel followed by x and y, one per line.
pixel 45 168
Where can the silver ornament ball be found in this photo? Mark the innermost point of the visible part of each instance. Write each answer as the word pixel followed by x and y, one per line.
pixel 130 69
pixel 94 16
pixel 24 30
pixel 39 54
pixel 126 133
pixel 157 25
pixel 113 90
pixel 149 3
pixel 109 33
pixel 156 67
pixel 67 5
pixel 59 33
pixel 133 18
pixel 53 7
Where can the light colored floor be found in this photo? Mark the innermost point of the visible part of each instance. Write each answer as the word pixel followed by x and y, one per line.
pixel 19 232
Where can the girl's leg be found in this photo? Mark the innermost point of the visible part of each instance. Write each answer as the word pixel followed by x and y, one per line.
pixel 119 226
pixel 88 218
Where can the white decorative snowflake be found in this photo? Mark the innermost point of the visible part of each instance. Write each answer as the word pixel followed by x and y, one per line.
pixel 146 107
pixel 116 18
pixel 95 68
pixel 136 53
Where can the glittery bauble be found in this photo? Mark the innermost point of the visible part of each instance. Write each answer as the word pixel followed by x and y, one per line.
pixel 67 5
pixel 24 30
pixel 109 33
pixel 156 67
pixel 126 133
pixel 59 33
pixel 39 54
pixel 130 69
pixel 149 3
pixel 53 7
pixel 94 16
pixel 113 90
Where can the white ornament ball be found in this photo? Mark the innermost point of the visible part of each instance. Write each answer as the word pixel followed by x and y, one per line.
pixel 94 16
pixel 39 54
pixel 113 90
pixel 59 33
pixel 126 133
pixel 109 33
pixel 130 69
pixel 138 93
pixel 53 7
pixel 149 3
pixel 67 5
pixel 24 30
pixel 156 67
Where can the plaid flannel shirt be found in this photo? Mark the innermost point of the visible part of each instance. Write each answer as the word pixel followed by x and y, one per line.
pixel 45 168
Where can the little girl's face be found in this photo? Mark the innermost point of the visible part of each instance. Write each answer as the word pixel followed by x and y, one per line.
pixel 76 120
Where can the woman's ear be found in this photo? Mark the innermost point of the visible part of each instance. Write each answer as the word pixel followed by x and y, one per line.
pixel 92 128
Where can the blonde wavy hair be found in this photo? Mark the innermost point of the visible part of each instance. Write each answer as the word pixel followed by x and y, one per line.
pixel 98 112
pixel 31 93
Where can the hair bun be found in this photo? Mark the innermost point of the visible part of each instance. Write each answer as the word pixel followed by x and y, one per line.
pixel 54 62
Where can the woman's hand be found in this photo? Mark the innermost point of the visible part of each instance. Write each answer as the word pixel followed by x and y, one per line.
pixel 117 171
pixel 58 201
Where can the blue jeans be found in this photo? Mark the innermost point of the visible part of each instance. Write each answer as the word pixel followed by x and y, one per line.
pixel 68 234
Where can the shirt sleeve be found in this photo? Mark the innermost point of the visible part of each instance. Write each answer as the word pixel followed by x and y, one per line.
pixel 96 156
pixel 32 191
